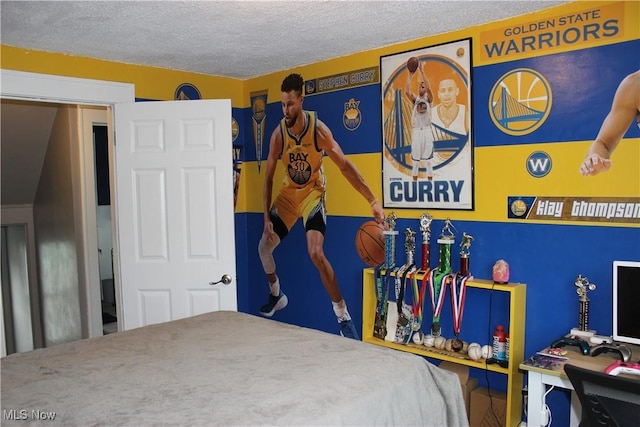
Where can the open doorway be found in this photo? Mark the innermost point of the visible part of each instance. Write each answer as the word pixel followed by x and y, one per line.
pixel 25 86
pixel 38 138
pixel 103 222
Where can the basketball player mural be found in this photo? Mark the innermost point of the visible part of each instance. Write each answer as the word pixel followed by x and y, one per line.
pixel 300 140
pixel 625 107
pixel 449 114
pixel 421 136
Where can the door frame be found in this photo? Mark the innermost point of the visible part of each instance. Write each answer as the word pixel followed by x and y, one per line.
pixel 38 87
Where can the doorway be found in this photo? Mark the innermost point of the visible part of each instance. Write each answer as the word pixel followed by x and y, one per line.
pixel 25 86
pixel 67 308
pixel 104 228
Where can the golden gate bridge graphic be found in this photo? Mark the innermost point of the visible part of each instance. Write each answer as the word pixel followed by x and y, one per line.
pixel 397 137
pixel 508 109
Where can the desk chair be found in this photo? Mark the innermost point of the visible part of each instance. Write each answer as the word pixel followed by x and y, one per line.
pixel 606 400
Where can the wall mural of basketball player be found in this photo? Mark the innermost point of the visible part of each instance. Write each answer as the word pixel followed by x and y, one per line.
pixel 421 135
pixel 624 108
pixel 300 140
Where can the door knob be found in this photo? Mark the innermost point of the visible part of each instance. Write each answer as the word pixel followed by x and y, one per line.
pixel 225 279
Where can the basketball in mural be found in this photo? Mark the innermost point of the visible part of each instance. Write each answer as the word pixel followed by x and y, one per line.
pixel 370 243
pixel 412 64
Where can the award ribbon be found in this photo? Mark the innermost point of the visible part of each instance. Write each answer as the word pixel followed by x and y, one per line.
pixel 438 277
pixel 418 295
pixel 382 295
pixel 404 324
pixel 400 287
pixel 437 291
pixel 458 292
pixel 383 277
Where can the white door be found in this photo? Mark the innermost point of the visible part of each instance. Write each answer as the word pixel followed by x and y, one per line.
pixel 174 187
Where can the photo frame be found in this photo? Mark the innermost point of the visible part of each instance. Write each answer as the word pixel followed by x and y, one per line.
pixel 415 176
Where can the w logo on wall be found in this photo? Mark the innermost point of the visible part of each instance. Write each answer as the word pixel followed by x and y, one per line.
pixel 520 101
pixel 539 164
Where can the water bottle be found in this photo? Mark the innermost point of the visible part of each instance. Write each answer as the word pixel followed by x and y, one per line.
pixel 499 343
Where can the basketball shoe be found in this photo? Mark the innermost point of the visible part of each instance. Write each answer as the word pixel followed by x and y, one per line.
pixel 348 329
pixel 274 304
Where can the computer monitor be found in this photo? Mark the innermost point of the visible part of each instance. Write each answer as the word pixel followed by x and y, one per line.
pixel 626 301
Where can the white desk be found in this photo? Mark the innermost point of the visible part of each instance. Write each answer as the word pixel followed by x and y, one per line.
pixel 540 379
pixel 538 385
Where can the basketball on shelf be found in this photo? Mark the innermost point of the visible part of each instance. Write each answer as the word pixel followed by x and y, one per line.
pixel 412 64
pixel 370 243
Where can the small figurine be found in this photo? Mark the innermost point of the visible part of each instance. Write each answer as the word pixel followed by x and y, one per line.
pixel 465 245
pixel 446 230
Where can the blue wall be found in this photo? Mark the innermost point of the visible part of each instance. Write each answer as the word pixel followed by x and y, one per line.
pixel 548 257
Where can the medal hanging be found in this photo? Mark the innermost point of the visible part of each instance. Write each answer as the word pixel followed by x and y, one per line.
pixel 439 276
pixel 418 304
pixel 403 325
pixel 437 291
pixel 405 317
pixel 458 292
pixel 418 294
pixel 382 296
pixel 384 279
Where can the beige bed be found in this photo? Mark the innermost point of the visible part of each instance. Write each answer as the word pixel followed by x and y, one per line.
pixel 227 368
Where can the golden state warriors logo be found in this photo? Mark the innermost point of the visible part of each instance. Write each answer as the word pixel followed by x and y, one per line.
pixel 352 116
pixel 520 102
pixel 258 108
pixel 235 129
pixel 519 207
pixel 186 92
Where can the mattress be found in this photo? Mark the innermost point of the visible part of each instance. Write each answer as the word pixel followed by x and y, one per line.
pixel 226 368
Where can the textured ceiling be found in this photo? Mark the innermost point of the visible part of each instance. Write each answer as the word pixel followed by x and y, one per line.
pixel 238 39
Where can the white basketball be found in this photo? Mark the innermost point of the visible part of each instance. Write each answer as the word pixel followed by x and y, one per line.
pixel 487 351
pixel 474 351
pixel 439 342
pixel 428 340
pixel 417 338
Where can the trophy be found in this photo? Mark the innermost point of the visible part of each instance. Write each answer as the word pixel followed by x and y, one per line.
pixel 390 241
pixel 405 323
pixel 382 283
pixel 439 276
pixel 465 251
pixel 418 292
pixel 425 229
pixel 582 287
